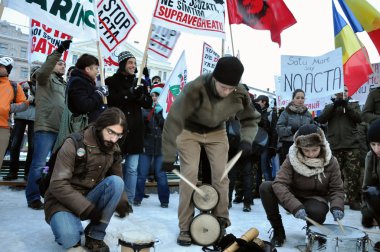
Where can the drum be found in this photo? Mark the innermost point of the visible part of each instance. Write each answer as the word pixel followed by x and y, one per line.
pixel 208 202
pixel 136 241
pixel 205 229
pixel 351 239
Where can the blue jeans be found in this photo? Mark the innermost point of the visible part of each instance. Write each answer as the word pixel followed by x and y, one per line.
pixel 67 227
pixel 265 165
pixel 43 144
pixel 145 161
pixel 130 175
pixel 275 161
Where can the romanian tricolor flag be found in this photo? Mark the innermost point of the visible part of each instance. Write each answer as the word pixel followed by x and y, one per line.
pixel 368 17
pixel 356 67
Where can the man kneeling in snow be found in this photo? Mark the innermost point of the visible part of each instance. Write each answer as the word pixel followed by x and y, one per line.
pixel 88 192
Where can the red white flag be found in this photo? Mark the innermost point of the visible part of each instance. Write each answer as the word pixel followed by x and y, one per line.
pixel 272 15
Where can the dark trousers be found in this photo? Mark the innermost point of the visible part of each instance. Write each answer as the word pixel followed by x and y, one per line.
pixel 17 140
pixel 315 209
pixel 285 150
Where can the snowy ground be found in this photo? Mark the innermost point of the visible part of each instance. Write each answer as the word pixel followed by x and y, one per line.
pixel 24 230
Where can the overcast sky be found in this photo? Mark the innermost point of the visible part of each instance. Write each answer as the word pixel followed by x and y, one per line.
pixel 312 35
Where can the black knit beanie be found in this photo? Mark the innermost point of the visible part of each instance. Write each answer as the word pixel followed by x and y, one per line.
pixel 373 133
pixel 228 70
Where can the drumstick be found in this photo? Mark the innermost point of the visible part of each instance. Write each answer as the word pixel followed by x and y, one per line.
pixel 230 164
pixel 319 226
pixel 340 225
pixel 198 190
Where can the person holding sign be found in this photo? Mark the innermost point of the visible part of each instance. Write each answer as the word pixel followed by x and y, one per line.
pixel 343 117
pixel 198 118
pixel 294 116
pixel 306 183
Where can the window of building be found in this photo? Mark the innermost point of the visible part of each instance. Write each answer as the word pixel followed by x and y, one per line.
pixel 160 74
pixel 23 52
pixel 24 72
pixel 3 48
pixel 164 78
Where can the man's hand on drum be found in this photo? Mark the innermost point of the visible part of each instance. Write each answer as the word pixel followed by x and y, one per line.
pixel 301 214
pixel 338 214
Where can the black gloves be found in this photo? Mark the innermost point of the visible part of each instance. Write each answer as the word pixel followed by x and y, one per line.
pixel 246 147
pixel 124 209
pixel 103 90
pixel 95 215
pixel 137 90
pixel 146 72
pixel 340 102
pixel 167 166
pixel 294 129
pixel 65 45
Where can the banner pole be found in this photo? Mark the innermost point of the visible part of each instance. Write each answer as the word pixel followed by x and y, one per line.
pixel 223 41
pixel 145 57
pixel 1 8
pixel 101 72
pixel 232 41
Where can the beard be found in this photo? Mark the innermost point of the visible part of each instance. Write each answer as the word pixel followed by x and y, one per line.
pixel 104 145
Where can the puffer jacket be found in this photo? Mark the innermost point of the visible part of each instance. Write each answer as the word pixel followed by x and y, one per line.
pixel 29 114
pixel 50 96
pixel 289 119
pixel 289 185
pixel 68 186
pixel 153 125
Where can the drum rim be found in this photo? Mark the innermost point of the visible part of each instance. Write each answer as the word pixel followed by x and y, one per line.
pixel 137 245
pixel 194 239
pixel 205 209
pixel 318 232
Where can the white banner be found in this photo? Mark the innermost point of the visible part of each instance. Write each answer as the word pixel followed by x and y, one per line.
pixel 200 17
pixel 318 77
pixel 373 82
pixel 43 40
pixel 174 85
pixel 115 22
pixel 209 59
pixel 72 17
pixel 162 42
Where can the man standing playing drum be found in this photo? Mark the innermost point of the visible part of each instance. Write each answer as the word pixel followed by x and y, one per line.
pixel 197 119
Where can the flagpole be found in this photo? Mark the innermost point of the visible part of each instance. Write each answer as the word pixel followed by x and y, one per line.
pixel 223 41
pixel 232 42
pixel 145 57
pixel 102 81
pixel 1 8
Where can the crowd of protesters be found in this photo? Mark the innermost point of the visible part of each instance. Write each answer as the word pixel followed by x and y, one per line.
pixel 282 149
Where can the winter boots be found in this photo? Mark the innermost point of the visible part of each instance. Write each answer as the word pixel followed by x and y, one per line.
pixel 278 234
pixel 96 245
pixel 184 238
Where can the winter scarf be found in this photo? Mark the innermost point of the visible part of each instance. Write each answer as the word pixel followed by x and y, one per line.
pixel 297 109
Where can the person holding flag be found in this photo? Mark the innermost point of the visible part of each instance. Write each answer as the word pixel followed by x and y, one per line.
pixel 197 118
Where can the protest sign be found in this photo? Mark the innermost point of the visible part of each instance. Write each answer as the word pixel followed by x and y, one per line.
pixel 174 85
pixel 71 16
pixel 43 40
pixel 200 17
pixel 162 42
pixel 209 59
pixel 373 82
pixel 319 77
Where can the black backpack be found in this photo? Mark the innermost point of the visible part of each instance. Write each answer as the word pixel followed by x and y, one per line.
pixel 80 159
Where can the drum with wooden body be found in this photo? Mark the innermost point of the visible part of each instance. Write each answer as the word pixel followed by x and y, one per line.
pixel 205 229
pixel 208 202
pixel 351 239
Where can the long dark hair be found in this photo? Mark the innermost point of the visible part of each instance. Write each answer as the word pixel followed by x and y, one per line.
pixel 298 90
pixel 111 116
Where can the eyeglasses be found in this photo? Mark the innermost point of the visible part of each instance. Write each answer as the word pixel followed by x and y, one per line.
pixel 114 134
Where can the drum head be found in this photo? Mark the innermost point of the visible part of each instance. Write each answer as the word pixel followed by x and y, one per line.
pixel 205 229
pixel 206 203
pixel 333 231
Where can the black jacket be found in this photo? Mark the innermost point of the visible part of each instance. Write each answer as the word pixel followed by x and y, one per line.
pixel 121 96
pixel 153 125
pixel 82 98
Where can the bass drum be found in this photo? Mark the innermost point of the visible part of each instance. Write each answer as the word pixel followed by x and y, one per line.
pixel 208 202
pixel 205 229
